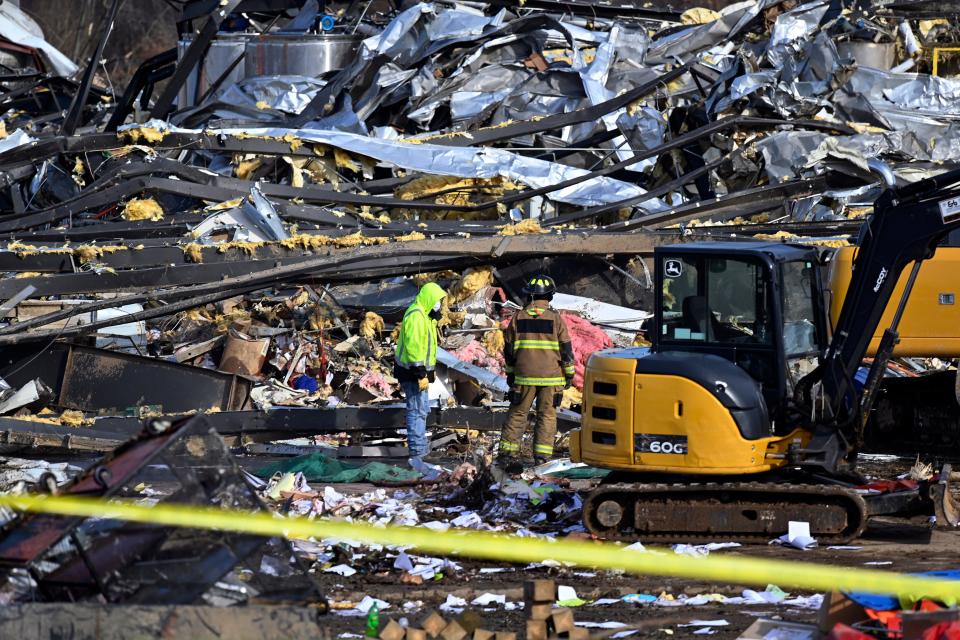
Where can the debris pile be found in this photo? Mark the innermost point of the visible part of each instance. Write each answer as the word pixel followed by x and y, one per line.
pixel 225 247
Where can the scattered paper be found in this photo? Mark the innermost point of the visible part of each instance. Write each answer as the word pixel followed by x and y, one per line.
pixel 701 550
pixel 344 570
pixel 567 597
pixel 368 602
pixel 797 536
pixel 489 598
pixel 844 547
pixel 705 623
pixel 453 604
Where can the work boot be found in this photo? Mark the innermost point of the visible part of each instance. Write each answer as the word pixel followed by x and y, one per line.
pixel 427 470
pixel 510 464
pixel 539 460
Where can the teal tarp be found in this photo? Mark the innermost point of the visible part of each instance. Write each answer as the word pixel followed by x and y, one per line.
pixel 317 467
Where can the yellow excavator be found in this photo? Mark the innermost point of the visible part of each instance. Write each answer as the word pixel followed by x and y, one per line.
pixel 745 413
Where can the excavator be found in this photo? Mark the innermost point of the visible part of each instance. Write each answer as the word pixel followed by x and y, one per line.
pixel 746 412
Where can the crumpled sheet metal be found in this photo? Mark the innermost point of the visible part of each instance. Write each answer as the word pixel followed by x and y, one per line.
pixel 932 95
pixel 684 44
pixel 290 94
pixel 461 162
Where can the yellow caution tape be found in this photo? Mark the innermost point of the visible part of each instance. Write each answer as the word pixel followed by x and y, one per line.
pixel 505 548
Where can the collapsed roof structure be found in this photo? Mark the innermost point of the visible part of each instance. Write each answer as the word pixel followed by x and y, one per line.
pixel 238 230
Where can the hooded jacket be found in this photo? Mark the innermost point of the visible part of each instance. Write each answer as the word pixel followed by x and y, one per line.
pixel 416 354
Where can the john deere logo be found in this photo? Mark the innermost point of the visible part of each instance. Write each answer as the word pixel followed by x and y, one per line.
pixel 673 268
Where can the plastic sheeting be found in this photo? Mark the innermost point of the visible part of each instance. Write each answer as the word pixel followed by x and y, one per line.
pixel 18 27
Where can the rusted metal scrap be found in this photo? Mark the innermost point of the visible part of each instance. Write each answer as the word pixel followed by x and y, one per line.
pixel 77 559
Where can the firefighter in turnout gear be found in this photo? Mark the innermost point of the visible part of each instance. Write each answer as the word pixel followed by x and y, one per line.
pixel 539 359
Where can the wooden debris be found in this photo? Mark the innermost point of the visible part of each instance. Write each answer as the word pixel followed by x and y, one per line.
pixel 392 631
pixel 434 624
pixel 537 630
pixel 562 620
pixel 453 631
pixel 483 634
pixel 538 611
pixel 538 591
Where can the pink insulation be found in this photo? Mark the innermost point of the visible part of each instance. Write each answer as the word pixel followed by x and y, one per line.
pixel 476 354
pixel 375 384
pixel 586 339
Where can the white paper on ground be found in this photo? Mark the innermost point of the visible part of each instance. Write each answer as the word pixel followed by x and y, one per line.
pixel 705 623
pixel 701 550
pixel 844 547
pixel 453 604
pixel 368 602
pixel 566 593
pixel 604 601
pixel 344 570
pixel 798 536
pixel 489 598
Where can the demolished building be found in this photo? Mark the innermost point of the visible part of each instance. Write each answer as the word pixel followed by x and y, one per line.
pixel 237 231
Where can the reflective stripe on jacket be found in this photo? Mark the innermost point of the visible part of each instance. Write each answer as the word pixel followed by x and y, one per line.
pixel 538 350
pixel 417 343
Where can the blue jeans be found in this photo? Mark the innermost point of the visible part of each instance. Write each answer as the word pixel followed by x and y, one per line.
pixel 418 406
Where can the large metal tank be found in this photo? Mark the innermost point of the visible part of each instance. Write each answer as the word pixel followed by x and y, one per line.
pixel 879 55
pixel 296 54
pixel 224 49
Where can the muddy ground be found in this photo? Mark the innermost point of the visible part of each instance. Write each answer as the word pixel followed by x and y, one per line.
pixel 907 545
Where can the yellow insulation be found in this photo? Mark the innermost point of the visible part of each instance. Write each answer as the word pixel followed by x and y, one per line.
pixel 143 209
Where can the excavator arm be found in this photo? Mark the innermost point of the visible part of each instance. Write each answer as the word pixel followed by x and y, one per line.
pixel 907 225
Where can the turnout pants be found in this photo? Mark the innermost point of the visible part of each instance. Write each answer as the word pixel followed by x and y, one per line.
pixel 546 426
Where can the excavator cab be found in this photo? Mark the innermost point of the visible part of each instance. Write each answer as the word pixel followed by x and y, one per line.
pixel 736 325
pixel 757 305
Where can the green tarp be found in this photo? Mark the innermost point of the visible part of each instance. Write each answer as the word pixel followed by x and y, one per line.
pixel 317 467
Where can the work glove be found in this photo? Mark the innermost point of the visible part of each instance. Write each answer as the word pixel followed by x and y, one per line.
pixel 510 380
pixel 568 382
pixel 511 396
pixel 424 384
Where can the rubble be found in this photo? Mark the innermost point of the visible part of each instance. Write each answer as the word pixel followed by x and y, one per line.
pixel 236 247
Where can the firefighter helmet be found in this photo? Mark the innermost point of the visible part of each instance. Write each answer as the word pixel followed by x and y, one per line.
pixel 540 285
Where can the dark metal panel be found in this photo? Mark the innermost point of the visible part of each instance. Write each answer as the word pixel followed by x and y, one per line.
pixel 96 380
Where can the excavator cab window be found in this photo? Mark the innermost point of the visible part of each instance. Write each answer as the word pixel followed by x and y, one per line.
pixel 799 311
pixel 715 300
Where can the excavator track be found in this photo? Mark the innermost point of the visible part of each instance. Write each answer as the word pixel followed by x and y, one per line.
pixel 752 512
